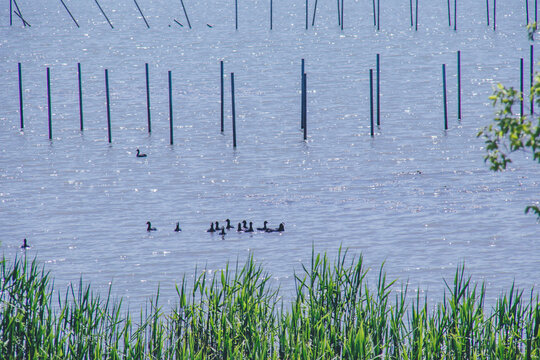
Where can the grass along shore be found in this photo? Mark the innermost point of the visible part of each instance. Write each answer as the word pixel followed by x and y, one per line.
pixel 235 314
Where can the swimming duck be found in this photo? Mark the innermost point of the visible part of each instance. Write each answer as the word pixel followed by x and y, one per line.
pixel 210 26
pixel 240 227
pixel 24 245
pixel 250 227
pixel 280 228
pixel 244 224
pixel 211 230
pixel 217 226
pixel 177 229
pixel 264 228
pixel 149 227
pixel 229 226
pixel 139 154
pixel 222 231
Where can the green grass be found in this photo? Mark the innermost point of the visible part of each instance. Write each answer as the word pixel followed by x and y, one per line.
pixel 235 314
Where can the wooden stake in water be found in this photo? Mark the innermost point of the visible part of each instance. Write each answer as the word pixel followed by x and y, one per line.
pixel 69 12
pixel 448 7
pixel 487 11
pixel 171 127
pixel 11 12
pixel 444 97
pixel 410 7
pixel 49 102
pixel 459 82
pixel 222 99
pixel 416 17
pixel 148 99
pixel 185 13
pixel 21 97
pixel 105 15
pixel 521 85
pixel 80 96
pixel 314 13
pixel 271 11
pixel 108 104
pixel 233 111
pixel 342 14
pixel 371 100
pixel 338 14
pixel 304 81
pixel 455 15
pixel 140 11
pixel 494 15
pixel 378 91
pixel 532 76
pixel 302 95
pixel 307 14
pixel 526 11
pixel 236 14
pixel 374 14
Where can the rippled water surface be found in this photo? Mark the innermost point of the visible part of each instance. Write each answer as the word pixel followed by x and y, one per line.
pixel 418 197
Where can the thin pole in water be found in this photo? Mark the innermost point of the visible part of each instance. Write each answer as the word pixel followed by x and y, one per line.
pixel 105 15
pixel 338 14
pixel 314 13
pixel 455 15
pixel 69 12
pixel 527 11
pixel 378 15
pixel 307 6
pixel 304 81
pixel 236 14
pixel 494 15
pixel 140 11
pixel 233 111
pixel 521 85
pixel 21 97
pixel 532 77
pixel 410 7
pixel 10 12
pixel 222 99
pixel 185 13
pixel 378 91
pixel 487 11
pixel 459 82
pixel 536 11
pixel 148 99
pixel 108 104
pixel 342 5
pixel 448 7
pixel 49 102
pixel 80 96
pixel 416 16
pixel 271 11
pixel 371 100
pixel 302 95
pixel 170 110
pixel 444 97
pixel 374 14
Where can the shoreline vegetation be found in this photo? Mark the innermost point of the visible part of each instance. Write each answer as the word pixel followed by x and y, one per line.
pixel 235 314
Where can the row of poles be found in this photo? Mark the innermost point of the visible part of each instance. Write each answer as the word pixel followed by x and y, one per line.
pixel 374 92
pixel 339 7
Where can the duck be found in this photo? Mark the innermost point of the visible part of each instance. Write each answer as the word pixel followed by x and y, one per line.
pixel 149 227
pixel 264 228
pixel 240 227
pixel 217 226
pixel 177 228
pixel 280 228
pixel 229 226
pixel 139 154
pixel 24 245
pixel 222 231
pixel 250 227
pixel 210 26
pixel 244 224
pixel 211 230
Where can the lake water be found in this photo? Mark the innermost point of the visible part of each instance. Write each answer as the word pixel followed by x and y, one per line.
pixel 418 197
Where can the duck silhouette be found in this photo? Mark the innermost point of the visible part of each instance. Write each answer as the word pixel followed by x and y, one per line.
pixel 250 227
pixel 244 224
pixel 222 231
pixel 229 226
pixel 280 228
pixel 264 228
pixel 211 230
pixel 139 155
pixel 149 227
pixel 177 228
pixel 24 245
pixel 217 226
pixel 239 227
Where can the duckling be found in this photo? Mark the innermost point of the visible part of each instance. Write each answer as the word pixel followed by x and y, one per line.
pixel 222 231
pixel 211 230
pixel 244 224
pixel 149 227
pixel 264 228
pixel 139 154
pixel 240 227
pixel 177 229
pixel 250 227
pixel 24 245
pixel 229 226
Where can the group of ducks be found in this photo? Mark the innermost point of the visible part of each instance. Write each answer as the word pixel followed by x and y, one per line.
pixel 149 227
pixel 243 227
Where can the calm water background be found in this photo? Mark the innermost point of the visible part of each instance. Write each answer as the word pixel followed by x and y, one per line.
pixel 415 196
